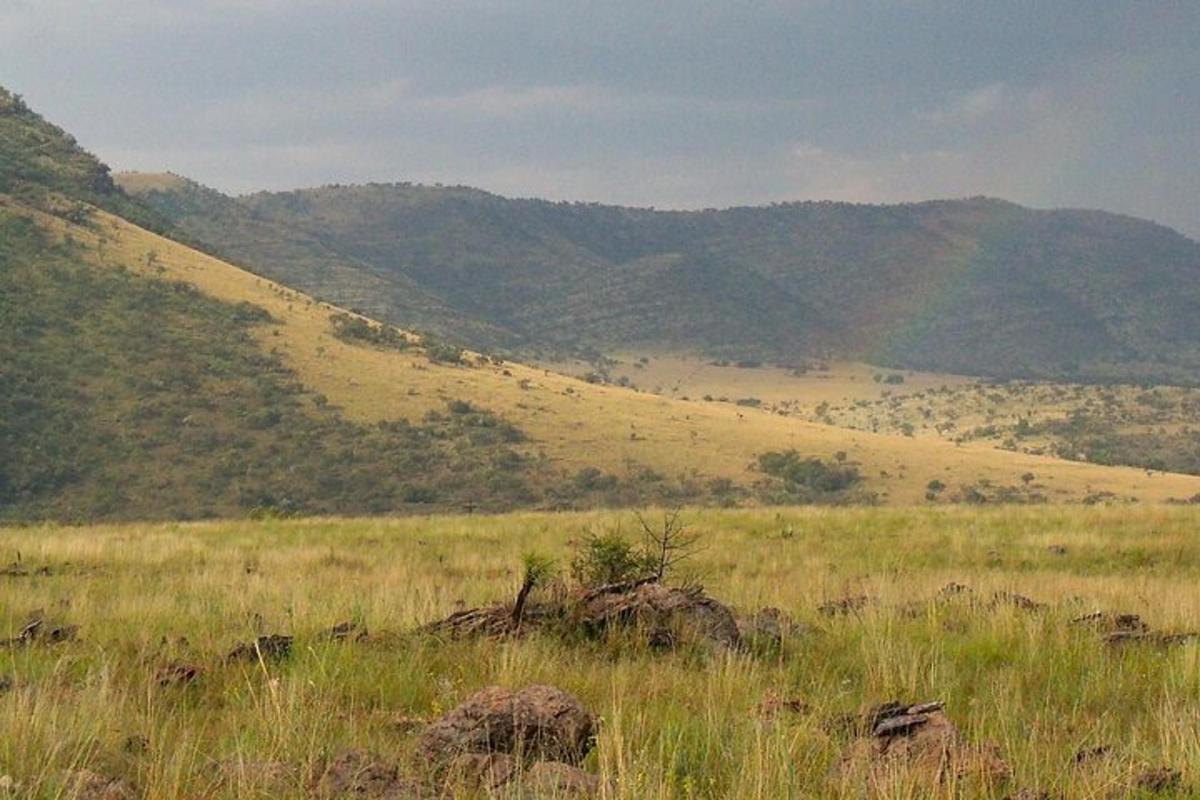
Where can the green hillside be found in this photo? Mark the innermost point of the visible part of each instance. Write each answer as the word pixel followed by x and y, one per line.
pixel 125 394
pixel 975 286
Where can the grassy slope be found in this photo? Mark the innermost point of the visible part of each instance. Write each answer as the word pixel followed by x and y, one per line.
pixel 123 396
pixel 1104 424
pixel 576 424
pixel 675 726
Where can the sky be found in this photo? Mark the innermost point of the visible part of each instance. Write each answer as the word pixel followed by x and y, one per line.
pixel 1050 103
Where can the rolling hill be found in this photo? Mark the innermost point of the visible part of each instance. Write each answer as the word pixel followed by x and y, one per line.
pixel 141 378
pixel 978 286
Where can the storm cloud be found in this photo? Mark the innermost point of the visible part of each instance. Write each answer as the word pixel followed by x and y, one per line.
pixel 1051 103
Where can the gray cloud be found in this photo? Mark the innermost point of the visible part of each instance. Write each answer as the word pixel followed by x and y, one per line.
pixel 674 104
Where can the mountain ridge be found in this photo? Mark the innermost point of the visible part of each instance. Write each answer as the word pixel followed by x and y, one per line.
pixel 978 286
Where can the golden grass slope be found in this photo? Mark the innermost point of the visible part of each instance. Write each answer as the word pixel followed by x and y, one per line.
pixel 575 424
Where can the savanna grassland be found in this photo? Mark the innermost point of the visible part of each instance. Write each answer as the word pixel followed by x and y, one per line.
pixel 687 722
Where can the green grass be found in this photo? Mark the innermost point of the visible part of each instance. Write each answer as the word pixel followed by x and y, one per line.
pixel 675 725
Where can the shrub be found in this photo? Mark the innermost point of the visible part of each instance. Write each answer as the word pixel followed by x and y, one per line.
pixel 608 558
pixel 798 472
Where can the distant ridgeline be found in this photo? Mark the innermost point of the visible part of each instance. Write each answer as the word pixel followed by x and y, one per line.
pixel 977 286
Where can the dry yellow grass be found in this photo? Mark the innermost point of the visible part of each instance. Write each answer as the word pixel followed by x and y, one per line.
pixel 676 726
pixel 575 424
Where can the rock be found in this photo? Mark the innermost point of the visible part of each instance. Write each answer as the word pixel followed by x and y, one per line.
pixel 87 785
pixel 493 621
pixel 1159 779
pixel 535 723
pixel 38 629
pixel 1152 638
pixel 347 631
pixel 358 773
pixel 554 779
pixel 272 647
pixel 136 744
pixel 844 605
pixel 663 612
pixel 918 738
pixel 1091 754
pixel 1017 600
pixel 176 674
pixel 1112 621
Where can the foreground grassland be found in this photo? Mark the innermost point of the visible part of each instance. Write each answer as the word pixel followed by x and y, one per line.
pixel 682 724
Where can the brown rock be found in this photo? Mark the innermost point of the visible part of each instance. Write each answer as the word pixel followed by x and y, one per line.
pixel 1091 754
pixel 347 631
pixel 1152 638
pixel 844 605
pixel 535 723
pixel 918 738
pixel 1159 779
pixel 1112 621
pixel 664 612
pixel 1017 600
pixel 272 647
pixel 176 674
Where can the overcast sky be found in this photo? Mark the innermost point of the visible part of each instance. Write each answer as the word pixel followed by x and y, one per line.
pixel 1092 103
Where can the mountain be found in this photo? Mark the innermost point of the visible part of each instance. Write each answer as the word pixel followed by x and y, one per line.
pixel 143 379
pixel 977 286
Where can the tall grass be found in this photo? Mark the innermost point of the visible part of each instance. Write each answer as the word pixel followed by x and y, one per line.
pixel 675 725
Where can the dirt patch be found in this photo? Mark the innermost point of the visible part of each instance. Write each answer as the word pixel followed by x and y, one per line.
pixel 538 723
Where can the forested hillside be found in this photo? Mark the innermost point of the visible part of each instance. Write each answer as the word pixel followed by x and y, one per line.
pixel 975 286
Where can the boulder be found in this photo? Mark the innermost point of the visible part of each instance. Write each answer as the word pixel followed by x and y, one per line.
pixel 665 613
pixel 920 740
pixel 535 723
